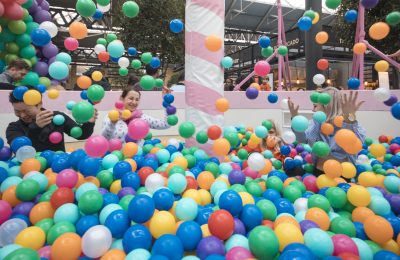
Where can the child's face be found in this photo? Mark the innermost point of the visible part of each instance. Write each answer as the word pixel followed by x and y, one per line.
pixel 272 132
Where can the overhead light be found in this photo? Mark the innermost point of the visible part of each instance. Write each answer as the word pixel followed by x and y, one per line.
pixel 366 83
pixel 297 81
pixel 329 81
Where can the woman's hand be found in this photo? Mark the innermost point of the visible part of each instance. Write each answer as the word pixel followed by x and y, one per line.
pixel 293 108
pixel 94 118
pixel 166 90
pixel 350 105
pixel 44 118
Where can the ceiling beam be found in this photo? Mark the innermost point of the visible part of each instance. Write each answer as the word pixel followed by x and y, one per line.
pixel 264 18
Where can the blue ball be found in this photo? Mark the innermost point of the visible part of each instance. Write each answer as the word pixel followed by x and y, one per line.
pixel 304 23
pixel 48 155
pixel 75 157
pixel 385 255
pixel 323 191
pixel 190 234
pixel 289 255
pixel 89 166
pixel 284 206
pixel 289 164
pixel 272 98
pixel 120 168
pixel 150 162
pixel 3 174
pixel 353 83
pixel 137 236
pixel 110 198
pixel 203 215
pixel 285 150
pixel 264 41
pixel 299 248
pixel 20 141
pixel 117 222
pixel 86 222
pixel 231 201
pixel 1 143
pixel 84 95
pixel 132 51
pixel 169 99
pixel 176 26
pixel 115 59
pixel 60 164
pixel 141 208
pixel 41 88
pixel 351 16
pixel 252 93
pixel 155 63
pixel 40 37
pixel 360 233
pixel 168 245
pixel 19 92
pixel 163 199
pixel 131 179
pixel 251 216
pixel 98 15
pixel 396 110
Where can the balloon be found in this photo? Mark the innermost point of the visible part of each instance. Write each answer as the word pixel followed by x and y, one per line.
pixel 213 43
pixel 227 62
pixel 319 79
pixel 130 9
pixel 262 68
pixel 304 23
pixel 321 37
pixel 96 241
pixel 147 82
pixel 116 49
pixel 86 8
pixel 64 57
pixel 282 50
pixel 379 31
pixel 40 37
pixel 332 4
pixel 95 93
pixel 176 26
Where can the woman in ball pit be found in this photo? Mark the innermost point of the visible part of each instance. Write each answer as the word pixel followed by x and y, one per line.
pixel 340 106
pixel 118 129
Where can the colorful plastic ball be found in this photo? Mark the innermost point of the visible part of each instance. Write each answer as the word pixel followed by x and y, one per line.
pixel 27 190
pixel 117 222
pixel 369 4
pixel 264 41
pixel 177 183
pixel 96 241
pixel 186 209
pixel 141 208
pixel 227 62
pixel 55 137
pixel 190 234
pixel 163 199
pixel 58 70
pixel 299 123
pixel 31 237
pixel 262 68
pixel 40 37
pixel 176 26
pixel 163 222
pixel 353 83
pixel 263 242
pixel 169 246
pixel 130 9
pixel 344 244
pixel 395 110
pixel 319 242
pixel 186 129
pixel 5 210
pixel 32 97
pixel 252 93
pixel 19 92
pixel 351 16
pixel 304 23
pixel 251 216
pixel 272 98
pixel 209 246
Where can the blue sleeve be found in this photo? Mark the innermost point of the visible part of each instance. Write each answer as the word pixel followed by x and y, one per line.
pixel 311 135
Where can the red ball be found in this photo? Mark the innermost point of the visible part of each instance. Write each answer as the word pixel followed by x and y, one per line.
pixel 221 224
pixel 268 223
pixel 214 132
pixel 1 9
pixel 383 139
pixel 293 153
pixel 191 183
pixel 311 183
pixel 61 196
pixel 14 11
pixel 323 64
pixel 348 256
pixel 104 56
pixel 145 172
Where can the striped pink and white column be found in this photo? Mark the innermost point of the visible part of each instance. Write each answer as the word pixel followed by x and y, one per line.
pixel 204 77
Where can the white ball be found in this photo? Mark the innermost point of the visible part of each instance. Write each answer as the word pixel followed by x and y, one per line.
pixel 123 62
pixel 99 48
pixel 96 241
pixel 173 142
pixel 301 204
pixel 318 79
pixel 105 8
pixel 154 182
pixel 25 152
pixel 289 137
pixel 50 27
pixel 10 229
pixel 382 94
pixel 256 161
pixel 284 104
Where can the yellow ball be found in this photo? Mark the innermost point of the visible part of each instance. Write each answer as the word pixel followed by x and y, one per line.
pixel 181 161
pixel 193 194
pixel 53 93
pixel 97 76
pixel 126 114
pixel 349 170
pixel 162 223
pixel 288 233
pixel 204 229
pixel 113 115
pixel 246 198
pixel 116 186
pixel 224 178
pixel 32 97
pixel 324 181
pixel 391 246
pixel 205 197
pixel 377 150
pixel 382 66
pixel 368 179
pixel 316 18
pixel 31 237
pixel 358 196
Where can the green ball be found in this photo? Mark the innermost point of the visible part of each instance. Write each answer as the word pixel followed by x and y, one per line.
pixel 266 123
pixel 232 138
pixel 76 132
pixel 31 78
pixel 244 142
pixel 28 52
pixel 319 201
pixel 314 97
pixel 130 9
pixel 337 197
pixel 23 254
pixel 90 202
pixel 283 50
pixel 86 8
pixel 324 98
pixel 46 196
pixel 103 2
pixel 31 27
pixel 309 13
pixel 82 112
pixel 124 202
pixel 345 214
pixel 172 120
pixel 43 163
pixel 147 148
pixel 12 48
pixel 374 246
pixel 147 82
pixel 59 229
pixel 266 52
pixel 7 36
pixel 238 188
pixel 191 160
pixel 298 184
pixel 119 154
pixel 321 149
pixel 106 178
pixel 202 137
pixel 243 154
pixel 45 81
pixel 95 93
pixel 17 27
pixel 101 41
pixel 263 243
pixel 146 57
pixel 28 4
pixel 253 188
pixel 393 18
pixel 111 37
pixel 136 64
pixel 123 72
pixel 176 170
pixel 291 193
pixel 268 209
pixel 213 168
pixel 10 58
pixel 275 183
pixel 159 83
pixel 45 225
pixel 23 40
pixel 341 225
pixel 186 129
pixel 148 136
pixel 277 164
pixel 387 157
pixel 27 190
pixel 28 18
pixel 333 4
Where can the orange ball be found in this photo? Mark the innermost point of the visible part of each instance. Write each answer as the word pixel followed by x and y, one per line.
pixel 327 129
pixel 221 147
pixel 66 247
pixel 181 161
pixel 359 48
pixel 130 149
pixel 338 121
pixel 322 37
pixel 360 214
pixel 30 164
pixel 51 177
pixel 78 30
pixel 213 43
pixel 267 168
pixel 205 180
pixel 222 105
pixel 332 168
pixel 81 180
pixel 319 216
pixel 10 196
pixel 93 180
pixel 392 246
pixel 41 211
pixel 114 254
pixel 84 82
pixel 379 31
pixel 256 86
pixel 345 138
pixel 378 229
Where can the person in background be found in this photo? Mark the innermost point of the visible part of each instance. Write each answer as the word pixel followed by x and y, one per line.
pixel 273 141
pixel 103 82
pixel 228 86
pixel 265 85
pixel 247 84
pixel 16 71
pixel 36 123
pixel 132 80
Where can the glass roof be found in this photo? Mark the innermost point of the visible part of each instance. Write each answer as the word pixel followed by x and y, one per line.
pixel 296 4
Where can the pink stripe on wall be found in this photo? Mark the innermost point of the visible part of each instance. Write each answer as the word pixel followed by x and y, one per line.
pixel 198 49
pixel 201 98
pixel 212 5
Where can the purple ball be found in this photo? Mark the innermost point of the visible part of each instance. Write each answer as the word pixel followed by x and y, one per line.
pixel 102 191
pixel 171 110
pixel 210 246
pixel 369 3
pixel 45 5
pixel 5 153
pixel 41 68
pixel 34 8
pixel 236 177
pixel 391 101
pixel 39 2
pixel 307 224
pixel 304 154
pixel 239 227
pixel 126 191
pixel 299 149
pixel 50 50
pixel 394 202
pixel 23 208
pixel 252 93
pixel 382 190
pixel 150 155
pixel 42 16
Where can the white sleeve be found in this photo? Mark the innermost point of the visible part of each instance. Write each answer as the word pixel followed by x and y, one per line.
pixel 112 130
pixel 155 123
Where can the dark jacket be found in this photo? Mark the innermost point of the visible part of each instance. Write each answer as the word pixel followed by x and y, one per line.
pixel 40 136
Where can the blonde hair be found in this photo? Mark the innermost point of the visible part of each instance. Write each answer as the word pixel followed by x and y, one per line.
pixel 334 108
pixel 277 134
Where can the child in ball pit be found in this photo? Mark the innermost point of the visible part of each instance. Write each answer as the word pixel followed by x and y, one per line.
pixel 273 141
pixel 340 105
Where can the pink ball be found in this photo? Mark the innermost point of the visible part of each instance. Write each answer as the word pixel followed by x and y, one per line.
pixel 394 147
pixel 344 244
pixel 96 146
pixel 293 153
pixel 250 173
pixel 119 105
pixel 311 183
pixel 45 252
pixel 262 68
pixel 14 11
pixel 238 253
pixel 71 44
pixel 67 179
pixel 308 158
pixel 1 9
pixel 55 137
pixel 138 129
pixel 5 211
pixel 114 145
pixel 235 166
